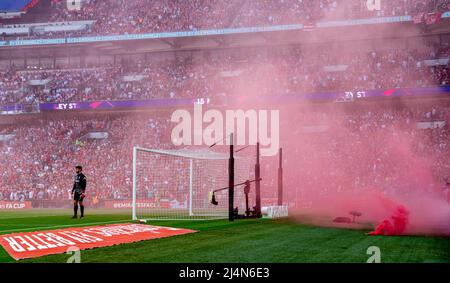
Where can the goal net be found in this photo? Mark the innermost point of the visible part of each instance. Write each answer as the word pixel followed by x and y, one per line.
pixel 178 184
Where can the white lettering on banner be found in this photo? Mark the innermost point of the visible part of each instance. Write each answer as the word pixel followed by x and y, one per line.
pixel 49 246
pixel 14 244
pixel 14 205
pixel 108 232
pixel 278 211
pixel 36 245
pixel 81 237
pixel 41 241
pixel 64 106
pixel 122 205
pixel 22 241
pixel 49 239
pixel 61 239
pixel 122 230
pixel 138 204
pixel 74 237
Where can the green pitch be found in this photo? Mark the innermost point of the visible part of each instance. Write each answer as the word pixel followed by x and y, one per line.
pixel 243 241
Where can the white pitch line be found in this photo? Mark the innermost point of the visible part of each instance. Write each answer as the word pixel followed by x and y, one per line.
pixel 41 215
pixel 61 226
pixel 27 216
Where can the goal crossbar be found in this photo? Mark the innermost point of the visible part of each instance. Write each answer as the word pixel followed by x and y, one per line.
pixel 193 173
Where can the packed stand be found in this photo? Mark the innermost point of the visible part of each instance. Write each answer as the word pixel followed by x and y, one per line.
pixel 330 149
pixel 39 160
pixel 114 17
pixel 255 72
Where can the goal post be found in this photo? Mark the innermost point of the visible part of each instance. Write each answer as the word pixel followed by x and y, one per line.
pixel 133 203
pixel 178 184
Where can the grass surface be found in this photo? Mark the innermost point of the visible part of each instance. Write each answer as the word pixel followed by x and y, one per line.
pixel 242 241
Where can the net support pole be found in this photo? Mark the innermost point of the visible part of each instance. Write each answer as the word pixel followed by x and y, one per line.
pixel 258 183
pixel 134 183
pixel 231 181
pixel 280 177
pixel 191 213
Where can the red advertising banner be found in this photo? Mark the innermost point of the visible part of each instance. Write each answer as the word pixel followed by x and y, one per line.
pixel 41 243
pixel 13 205
pixel 121 204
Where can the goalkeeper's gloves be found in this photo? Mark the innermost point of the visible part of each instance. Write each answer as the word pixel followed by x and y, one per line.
pixel 83 195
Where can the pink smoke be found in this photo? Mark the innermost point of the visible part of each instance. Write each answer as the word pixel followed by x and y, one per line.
pixel 375 171
pixel 396 225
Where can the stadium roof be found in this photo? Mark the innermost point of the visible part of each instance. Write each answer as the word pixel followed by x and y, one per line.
pixel 14 5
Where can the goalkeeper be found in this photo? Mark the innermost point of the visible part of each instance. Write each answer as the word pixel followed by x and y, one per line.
pixel 78 192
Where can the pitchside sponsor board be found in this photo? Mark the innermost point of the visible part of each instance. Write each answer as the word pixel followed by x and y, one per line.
pixel 345 96
pixel 278 211
pixel 14 205
pixel 41 243
pixel 118 204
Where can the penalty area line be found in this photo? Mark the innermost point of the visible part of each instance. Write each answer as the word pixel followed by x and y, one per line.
pixel 61 226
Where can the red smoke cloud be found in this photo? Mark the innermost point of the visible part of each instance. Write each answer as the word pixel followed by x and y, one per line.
pixel 377 166
pixel 396 225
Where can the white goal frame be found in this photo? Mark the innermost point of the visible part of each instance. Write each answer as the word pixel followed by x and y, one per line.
pixel 189 155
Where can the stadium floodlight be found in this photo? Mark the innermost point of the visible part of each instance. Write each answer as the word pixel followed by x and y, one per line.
pixel 177 184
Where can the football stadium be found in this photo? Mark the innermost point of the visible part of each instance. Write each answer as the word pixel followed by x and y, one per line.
pixel 237 131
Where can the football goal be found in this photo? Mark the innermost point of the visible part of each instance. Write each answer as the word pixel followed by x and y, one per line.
pixel 178 184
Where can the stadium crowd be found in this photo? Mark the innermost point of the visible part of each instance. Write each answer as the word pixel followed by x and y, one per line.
pixel 260 71
pixel 38 160
pixel 400 150
pixel 113 17
pixel 361 148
